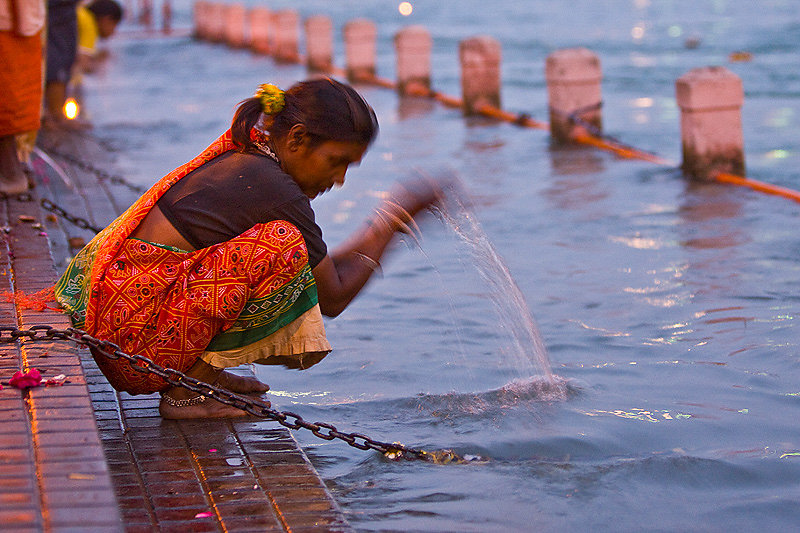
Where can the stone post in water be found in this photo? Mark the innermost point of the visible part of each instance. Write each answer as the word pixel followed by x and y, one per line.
pixel 287 34
pixel 260 29
pixel 216 22
pixel 413 47
pixel 574 91
pixel 199 18
pixel 319 43
pixel 710 100
pixel 480 73
pixel 166 17
pixel 235 17
pixel 359 47
pixel 146 13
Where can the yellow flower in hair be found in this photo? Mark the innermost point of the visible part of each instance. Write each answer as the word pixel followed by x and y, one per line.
pixel 271 98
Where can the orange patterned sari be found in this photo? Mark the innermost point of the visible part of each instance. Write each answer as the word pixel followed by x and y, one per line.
pixel 253 296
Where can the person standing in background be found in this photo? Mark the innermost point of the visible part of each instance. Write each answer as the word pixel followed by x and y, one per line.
pixel 21 26
pixel 62 46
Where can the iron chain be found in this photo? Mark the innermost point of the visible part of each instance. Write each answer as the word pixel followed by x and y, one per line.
pixel 250 405
pixel 53 208
pixel 99 172
pixel 78 221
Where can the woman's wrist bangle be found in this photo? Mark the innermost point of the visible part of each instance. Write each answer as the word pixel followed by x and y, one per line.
pixel 372 264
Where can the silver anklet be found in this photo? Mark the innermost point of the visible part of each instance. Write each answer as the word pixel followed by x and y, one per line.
pixel 183 403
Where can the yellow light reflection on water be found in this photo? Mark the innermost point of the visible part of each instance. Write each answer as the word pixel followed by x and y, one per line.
pixel 778 154
pixel 71 109
pixel 405 8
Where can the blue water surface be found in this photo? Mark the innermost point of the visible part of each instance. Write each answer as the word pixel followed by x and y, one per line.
pixel 668 306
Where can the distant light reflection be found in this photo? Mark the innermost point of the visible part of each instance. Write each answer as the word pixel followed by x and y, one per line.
pixel 641 60
pixel 780 118
pixel 778 154
pixel 605 332
pixel 405 8
pixel 640 243
pixel 643 415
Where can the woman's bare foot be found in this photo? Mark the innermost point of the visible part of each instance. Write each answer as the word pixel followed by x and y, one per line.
pixel 179 403
pixel 208 408
pixel 241 384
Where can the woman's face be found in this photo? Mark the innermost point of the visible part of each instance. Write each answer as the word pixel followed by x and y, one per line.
pixel 316 169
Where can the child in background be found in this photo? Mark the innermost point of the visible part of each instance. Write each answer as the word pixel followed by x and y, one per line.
pixel 96 20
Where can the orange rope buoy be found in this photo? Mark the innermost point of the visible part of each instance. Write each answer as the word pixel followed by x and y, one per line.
pixel 760 186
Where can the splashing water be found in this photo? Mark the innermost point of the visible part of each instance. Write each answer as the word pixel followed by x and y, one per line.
pixel 506 296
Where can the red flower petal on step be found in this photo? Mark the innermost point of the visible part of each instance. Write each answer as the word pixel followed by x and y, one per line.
pixel 26 380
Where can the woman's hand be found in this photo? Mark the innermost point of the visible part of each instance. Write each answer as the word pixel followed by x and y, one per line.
pixel 410 197
pixel 341 275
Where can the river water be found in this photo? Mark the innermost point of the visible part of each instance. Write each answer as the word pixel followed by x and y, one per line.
pixel 668 307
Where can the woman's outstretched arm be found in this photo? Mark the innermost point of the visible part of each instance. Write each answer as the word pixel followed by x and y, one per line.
pixel 342 274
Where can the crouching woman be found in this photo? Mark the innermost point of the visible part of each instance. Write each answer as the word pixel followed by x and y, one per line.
pixel 221 262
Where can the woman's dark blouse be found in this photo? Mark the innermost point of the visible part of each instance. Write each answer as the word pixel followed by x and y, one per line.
pixel 232 193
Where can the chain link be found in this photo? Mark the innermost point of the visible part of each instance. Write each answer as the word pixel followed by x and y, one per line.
pixel 253 406
pixel 99 172
pixel 78 221
pixel 53 208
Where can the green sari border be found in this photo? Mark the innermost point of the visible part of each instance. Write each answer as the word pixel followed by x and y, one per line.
pixel 232 339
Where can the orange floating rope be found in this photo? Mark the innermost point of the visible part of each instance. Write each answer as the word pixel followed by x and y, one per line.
pixel 760 186
pixel 383 82
pixel 623 151
pixel 449 101
pixel 516 118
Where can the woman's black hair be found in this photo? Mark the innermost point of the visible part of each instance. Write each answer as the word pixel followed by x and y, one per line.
pixel 330 111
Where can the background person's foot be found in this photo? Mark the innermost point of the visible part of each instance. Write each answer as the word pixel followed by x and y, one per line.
pixel 17 185
pixel 12 176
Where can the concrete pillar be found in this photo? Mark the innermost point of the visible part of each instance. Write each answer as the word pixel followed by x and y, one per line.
pixel 235 17
pixel 574 81
pixel 146 13
pixel 199 18
pixel 216 22
pixel 710 100
pixel 480 72
pixel 287 35
pixel 319 43
pixel 413 49
pixel 166 17
pixel 260 29
pixel 359 47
